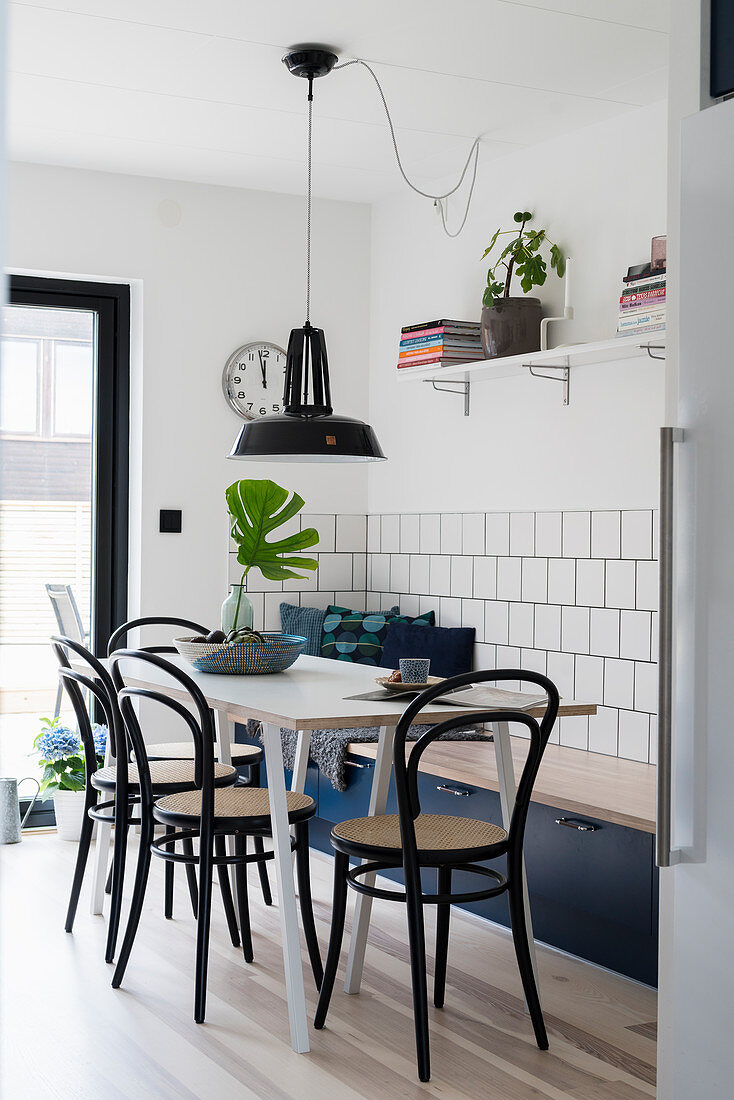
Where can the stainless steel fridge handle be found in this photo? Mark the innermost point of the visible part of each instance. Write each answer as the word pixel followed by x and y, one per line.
pixel 665 856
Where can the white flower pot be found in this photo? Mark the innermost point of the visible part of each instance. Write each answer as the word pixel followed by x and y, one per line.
pixel 69 810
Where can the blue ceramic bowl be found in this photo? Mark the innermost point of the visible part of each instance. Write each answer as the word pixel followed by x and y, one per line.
pixel 275 654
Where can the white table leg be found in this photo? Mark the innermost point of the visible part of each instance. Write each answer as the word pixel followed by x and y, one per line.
pixel 101 853
pixel 224 733
pixel 300 767
pixel 508 790
pixel 363 904
pixel 286 889
pixel 300 764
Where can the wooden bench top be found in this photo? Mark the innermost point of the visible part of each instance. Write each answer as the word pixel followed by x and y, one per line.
pixel 578 782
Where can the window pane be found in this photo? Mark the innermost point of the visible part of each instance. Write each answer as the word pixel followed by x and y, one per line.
pixel 19 386
pixel 45 512
pixel 73 383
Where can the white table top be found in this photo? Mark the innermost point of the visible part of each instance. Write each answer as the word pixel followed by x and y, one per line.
pixel 311 694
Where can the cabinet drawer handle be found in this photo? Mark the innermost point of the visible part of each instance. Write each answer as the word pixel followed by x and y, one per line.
pixel 458 791
pixel 582 826
pixel 356 764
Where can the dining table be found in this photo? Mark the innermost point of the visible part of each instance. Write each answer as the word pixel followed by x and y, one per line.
pixel 315 693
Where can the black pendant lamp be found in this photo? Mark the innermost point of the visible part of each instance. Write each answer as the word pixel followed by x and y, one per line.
pixel 307 430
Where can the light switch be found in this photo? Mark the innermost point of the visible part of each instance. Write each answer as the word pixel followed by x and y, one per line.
pixel 170 521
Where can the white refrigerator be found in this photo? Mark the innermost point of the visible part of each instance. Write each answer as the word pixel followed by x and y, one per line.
pixel 696 1013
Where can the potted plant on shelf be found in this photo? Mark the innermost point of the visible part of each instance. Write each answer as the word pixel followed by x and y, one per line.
pixel 511 325
pixel 61 756
pixel 255 509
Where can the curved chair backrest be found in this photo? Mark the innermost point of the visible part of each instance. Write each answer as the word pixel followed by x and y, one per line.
pixel 152 620
pixel 66 611
pixel 199 723
pixel 406 773
pixel 97 682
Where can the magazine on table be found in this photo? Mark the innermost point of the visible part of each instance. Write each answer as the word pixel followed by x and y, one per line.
pixel 473 697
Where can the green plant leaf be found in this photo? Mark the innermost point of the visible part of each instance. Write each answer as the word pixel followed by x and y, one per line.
pixel 558 260
pixel 256 508
pixel 71 782
pixel 518 216
pixel 491 244
pixel 527 216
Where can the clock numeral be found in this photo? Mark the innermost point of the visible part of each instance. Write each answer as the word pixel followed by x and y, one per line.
pixel 241 395
pixel 276 408
pixel 249 403
pixel 263 411
pixel 251 357
pixel 265 353
pixel 237 380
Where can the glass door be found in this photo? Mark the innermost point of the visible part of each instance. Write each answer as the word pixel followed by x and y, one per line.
pixel 63 493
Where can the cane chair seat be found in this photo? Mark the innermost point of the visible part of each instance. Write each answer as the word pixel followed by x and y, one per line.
pixel 231 805
pixel 172 774
pixel 184 750
pixel 437 836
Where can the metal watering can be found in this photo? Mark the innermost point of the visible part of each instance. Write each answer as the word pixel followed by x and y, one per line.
pixel 10 823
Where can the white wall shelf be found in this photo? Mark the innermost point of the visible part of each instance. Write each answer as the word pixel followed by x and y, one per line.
pixel 558 361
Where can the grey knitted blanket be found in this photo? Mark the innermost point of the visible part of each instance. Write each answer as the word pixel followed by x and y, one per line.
pixel 328 748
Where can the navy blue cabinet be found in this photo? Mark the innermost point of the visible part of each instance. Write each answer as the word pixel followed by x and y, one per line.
pixel 593 890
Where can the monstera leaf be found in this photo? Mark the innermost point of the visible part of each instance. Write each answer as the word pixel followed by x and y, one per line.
pixel 255 509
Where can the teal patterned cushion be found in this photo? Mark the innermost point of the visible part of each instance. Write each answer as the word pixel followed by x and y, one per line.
pixel 359 636
pixel 309 622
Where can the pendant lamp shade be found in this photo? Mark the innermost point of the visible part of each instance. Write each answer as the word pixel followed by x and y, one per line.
pixel 308 430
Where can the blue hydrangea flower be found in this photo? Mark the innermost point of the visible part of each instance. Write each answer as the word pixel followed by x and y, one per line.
pixel 57 743
pixel 100 739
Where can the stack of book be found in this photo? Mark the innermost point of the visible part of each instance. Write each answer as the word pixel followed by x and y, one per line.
pixel 642 304
pixel 442 341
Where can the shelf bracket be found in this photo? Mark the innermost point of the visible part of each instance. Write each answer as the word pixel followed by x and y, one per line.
pixel 564 376
pixel 650 348
pixel 463 387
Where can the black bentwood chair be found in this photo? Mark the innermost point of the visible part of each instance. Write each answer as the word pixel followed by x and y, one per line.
pixel 211 815
pixel 119 781
pixel 416 840
pixel 249 756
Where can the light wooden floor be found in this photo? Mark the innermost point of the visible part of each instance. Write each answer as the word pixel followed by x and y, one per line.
pixel 66 1033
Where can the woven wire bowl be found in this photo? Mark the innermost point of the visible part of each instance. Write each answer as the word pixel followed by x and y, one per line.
pixel 275 654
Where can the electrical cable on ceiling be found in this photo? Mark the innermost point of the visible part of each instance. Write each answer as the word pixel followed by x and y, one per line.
pixel 438 200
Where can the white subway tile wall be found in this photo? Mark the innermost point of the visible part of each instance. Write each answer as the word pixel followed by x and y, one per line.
pixel 570 594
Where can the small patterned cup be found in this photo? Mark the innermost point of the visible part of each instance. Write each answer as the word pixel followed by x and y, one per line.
pixel 414 670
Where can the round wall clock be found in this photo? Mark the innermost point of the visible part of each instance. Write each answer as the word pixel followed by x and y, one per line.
pixel 253 378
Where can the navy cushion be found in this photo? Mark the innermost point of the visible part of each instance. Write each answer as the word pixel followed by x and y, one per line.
pixel 448 648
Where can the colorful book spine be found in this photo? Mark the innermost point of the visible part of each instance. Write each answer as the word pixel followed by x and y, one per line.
pixel 641 319
pixel 445 330
pixel 428 349
pixel 444 323
pixel 435 357
pixel 426 341
pixel 644 299
pixel 644 284
pixel 643 330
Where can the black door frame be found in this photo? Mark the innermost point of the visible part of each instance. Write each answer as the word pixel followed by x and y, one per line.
pixel 110 466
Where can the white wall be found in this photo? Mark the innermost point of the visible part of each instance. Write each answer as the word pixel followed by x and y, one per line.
pixel 600 192
pixel 228 270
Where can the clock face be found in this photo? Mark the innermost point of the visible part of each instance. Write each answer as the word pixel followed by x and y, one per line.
pixel 253 380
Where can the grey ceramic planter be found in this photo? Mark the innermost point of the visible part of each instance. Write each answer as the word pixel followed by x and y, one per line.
pixel 511 327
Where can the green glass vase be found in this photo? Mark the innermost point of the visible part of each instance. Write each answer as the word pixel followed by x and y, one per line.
pixel 236 610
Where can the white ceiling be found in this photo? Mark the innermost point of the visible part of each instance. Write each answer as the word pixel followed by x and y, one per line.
pixel 195 90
